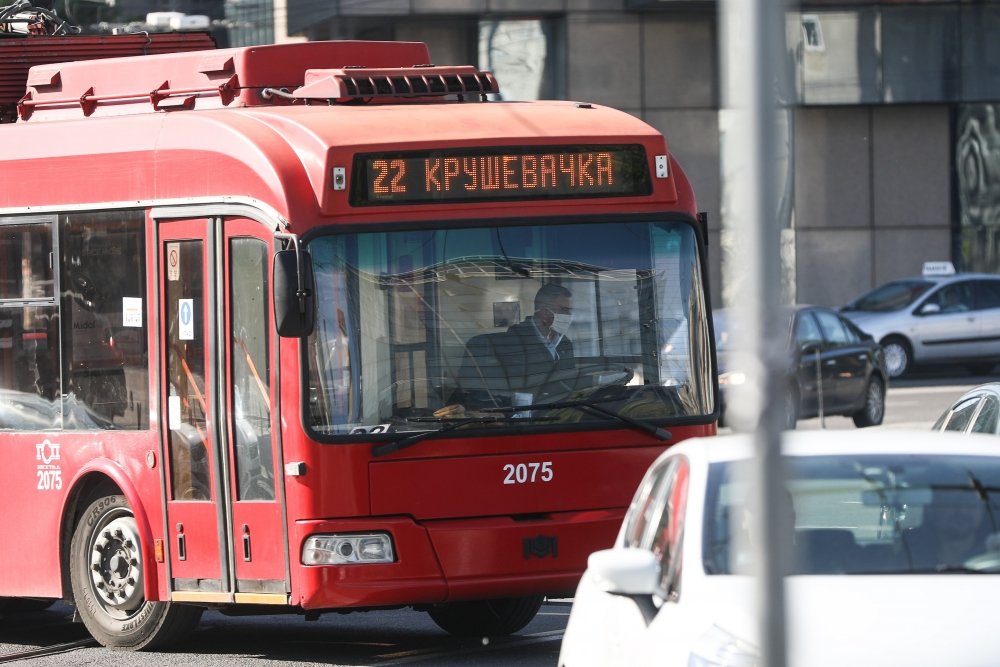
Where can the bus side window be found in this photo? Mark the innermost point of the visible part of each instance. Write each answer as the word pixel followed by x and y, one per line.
pixel 29 328
pixel 104 351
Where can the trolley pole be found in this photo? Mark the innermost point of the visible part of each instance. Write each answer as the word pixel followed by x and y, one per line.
pixel 752 49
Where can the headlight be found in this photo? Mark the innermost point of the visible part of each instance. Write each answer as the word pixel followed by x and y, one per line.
pixel 347 549
pixel 732 378
pixel 718 648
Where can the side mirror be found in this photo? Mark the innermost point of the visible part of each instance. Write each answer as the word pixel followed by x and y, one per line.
pixel 809 351
pixel 294 296
pixel 929 309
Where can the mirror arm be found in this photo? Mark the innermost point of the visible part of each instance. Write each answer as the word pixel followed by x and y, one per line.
pixel 301 292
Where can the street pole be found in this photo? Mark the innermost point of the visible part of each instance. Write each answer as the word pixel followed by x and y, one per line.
pixel 752 47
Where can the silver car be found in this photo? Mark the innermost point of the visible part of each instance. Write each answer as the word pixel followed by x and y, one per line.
pixel 939 317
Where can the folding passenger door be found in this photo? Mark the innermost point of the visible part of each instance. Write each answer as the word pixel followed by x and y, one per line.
pixel 199 558
pixel 224 514
pixel 257 534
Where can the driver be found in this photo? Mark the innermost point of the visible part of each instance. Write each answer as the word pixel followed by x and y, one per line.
pixel 536 347
pixel 514 364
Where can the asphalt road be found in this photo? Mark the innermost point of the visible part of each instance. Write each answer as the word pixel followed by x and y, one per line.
pixel 913 402
pixel 400 637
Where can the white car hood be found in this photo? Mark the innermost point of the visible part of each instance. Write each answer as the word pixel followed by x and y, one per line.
pixel 912 620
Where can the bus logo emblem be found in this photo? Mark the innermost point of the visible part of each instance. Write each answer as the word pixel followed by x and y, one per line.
pixel 541 546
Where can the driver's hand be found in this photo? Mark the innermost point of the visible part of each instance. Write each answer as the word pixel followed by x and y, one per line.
pixel 453 411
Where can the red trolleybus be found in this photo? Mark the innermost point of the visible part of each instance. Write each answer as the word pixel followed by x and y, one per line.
pixel 322 326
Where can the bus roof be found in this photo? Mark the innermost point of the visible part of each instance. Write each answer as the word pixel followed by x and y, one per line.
pixel 203 128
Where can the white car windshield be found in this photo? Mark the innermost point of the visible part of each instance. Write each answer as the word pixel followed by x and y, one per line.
pixel 886 514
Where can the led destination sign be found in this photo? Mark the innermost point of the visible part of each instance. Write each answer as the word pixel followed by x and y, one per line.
pixel 497 174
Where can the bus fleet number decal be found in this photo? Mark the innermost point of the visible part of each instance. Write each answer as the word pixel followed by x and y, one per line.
pixel 527 473
pixel 47 466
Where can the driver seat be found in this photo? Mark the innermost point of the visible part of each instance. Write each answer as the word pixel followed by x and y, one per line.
pixel 482 377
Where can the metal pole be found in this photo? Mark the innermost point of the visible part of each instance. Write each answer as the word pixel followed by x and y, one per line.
pixel 752 46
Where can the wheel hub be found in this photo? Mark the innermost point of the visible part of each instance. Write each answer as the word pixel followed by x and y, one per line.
pixel 116 565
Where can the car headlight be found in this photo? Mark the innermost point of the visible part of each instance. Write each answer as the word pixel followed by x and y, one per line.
pixel 347 549
pixel 718 648
pixel 732 378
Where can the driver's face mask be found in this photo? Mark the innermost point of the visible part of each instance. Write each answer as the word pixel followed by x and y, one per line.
pixel 561 322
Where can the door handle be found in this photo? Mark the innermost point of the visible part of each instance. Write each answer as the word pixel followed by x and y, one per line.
pixel 181 543
pixel 246 543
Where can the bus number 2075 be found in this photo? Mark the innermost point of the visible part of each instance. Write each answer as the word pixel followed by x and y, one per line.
pixel 527 473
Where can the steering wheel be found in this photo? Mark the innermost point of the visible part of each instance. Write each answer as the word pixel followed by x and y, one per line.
pixel 563 382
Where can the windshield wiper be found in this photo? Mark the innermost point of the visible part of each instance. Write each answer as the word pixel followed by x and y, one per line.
pixel 592 405
pixel 449 425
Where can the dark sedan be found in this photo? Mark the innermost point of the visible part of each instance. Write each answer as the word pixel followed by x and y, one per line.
pixel 831 367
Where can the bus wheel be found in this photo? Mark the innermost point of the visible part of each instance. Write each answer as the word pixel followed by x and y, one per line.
pixel 484 618
pixel 107 578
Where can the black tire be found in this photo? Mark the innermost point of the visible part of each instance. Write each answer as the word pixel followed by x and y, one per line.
pixel 106 572
pixel 486 618
pixel 898 356
pixel 873 411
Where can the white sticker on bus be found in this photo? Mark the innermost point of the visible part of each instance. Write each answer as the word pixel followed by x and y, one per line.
pixel 173 412
pixel 185 317
pixel 49 472
pixel 173 261
pixel 131 311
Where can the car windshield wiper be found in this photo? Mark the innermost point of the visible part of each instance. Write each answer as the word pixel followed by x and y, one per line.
pixel 449 425
pixel 592 405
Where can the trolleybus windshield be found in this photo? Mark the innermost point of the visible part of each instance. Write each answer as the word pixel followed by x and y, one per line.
pixel 436 329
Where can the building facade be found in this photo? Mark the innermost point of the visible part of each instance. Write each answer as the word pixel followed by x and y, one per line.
pixel 891 111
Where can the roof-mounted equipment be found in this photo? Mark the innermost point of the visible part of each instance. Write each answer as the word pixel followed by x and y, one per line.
pixel 363 83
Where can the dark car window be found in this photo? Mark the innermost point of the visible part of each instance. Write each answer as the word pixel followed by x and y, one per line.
pixel 807 331
pixel 892 296
pixel 954 298
pixel 987 293
pixel 834 330
pixel 986 421
pixel 961 414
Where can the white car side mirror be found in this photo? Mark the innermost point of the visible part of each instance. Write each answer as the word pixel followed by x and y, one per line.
pixel 624 571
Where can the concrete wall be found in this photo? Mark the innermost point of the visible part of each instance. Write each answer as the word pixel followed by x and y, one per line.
pixel 872 196
pixel 872 183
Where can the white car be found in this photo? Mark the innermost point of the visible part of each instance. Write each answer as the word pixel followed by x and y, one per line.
pixel 896 557
pixel 975 411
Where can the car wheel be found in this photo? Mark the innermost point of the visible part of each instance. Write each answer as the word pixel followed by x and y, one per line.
pixel 898 356
pixel 873 411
